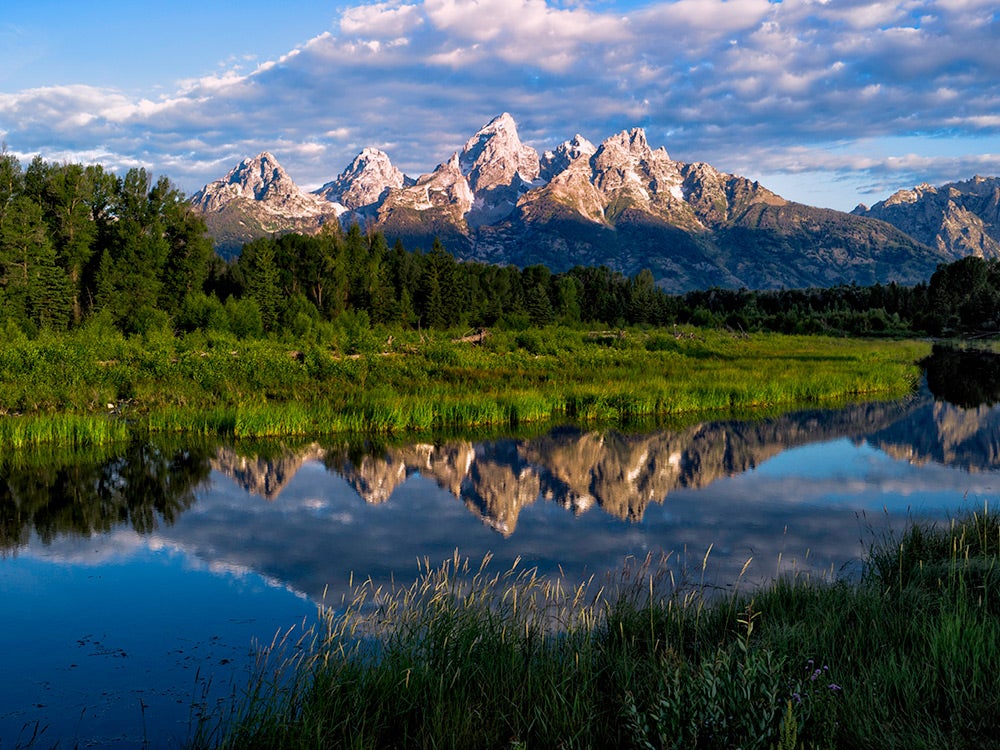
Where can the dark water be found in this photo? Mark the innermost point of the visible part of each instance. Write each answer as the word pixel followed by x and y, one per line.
pixel 136 581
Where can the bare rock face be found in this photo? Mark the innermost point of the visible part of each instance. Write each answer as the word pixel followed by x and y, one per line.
pixel 499 169
pixel 258 198
pixel 717 198
pixel 478 186
pixel 436 204
pixel 622 204
pixel 262 181
pixel 365 181
pixel 558 160
pixel 570 193
pixel 495 157
pixel 959 219
pixel 625 178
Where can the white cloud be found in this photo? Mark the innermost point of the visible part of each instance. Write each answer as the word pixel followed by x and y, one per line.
pixel 705 19
pixel 726 80
pixel 384 20
pixel 527 31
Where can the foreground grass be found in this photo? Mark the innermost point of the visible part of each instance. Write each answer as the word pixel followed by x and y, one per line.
pixel 94 386
pixel 906 657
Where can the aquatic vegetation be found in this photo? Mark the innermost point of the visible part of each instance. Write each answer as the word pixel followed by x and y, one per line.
pixel 98 385
pixel 904 657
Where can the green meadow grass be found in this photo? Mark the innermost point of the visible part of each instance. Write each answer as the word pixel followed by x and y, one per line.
pixel 95 385
pixel 907 656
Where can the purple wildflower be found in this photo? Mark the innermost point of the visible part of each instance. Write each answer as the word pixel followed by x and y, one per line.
pixel 834 687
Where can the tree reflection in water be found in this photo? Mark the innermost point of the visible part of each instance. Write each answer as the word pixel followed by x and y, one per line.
pixel 150 482
pixel 141 484
pixel 963 377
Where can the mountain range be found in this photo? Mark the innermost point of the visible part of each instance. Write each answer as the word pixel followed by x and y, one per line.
pixel 622 204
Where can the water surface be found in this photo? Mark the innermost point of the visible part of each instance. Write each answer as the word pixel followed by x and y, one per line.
pixel 135 581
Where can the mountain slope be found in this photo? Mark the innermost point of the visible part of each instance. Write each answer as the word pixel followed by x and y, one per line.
pixel 621 204
pixel 258 198
pixel 959 218
pixel 365 181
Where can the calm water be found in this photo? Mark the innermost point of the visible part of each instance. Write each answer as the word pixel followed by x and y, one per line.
pixel 136 582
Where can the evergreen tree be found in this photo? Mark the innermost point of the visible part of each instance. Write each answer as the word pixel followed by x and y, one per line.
pixel 134 246
pixel 441 299
pixel 189 254
pixel 11 180
pixel 68 200
pixel 432 306
pixel 262 279
pixel 568 291
pixel 380 292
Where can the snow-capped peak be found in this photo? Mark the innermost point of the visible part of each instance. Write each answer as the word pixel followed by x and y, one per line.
pixel 555 161
pixel 262 182
pixel 495 156
pixel 261 178
pixel 364 181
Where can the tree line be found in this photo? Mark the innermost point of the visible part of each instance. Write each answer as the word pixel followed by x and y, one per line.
pixel 78 241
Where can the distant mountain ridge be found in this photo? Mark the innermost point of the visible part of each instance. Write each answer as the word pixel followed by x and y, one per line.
pixel 959 218
pixel 256 199
pixel 621 204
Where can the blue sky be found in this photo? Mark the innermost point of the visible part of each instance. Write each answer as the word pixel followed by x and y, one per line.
pixel 829 103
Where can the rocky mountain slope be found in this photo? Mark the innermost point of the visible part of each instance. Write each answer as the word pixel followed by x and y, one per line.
pixel 256 199
pixel 622 204
pixel 959 218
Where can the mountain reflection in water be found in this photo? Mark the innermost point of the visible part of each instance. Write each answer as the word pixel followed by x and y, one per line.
pixel 150 485
pixel 221 541
pixel 622 474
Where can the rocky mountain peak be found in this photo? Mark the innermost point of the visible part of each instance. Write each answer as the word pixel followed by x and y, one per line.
pixel 628 145
pixel 261 178
pixel 445 188
pixel 365 181
pixel 495 157
pixel 258 198
pixel 624 164
pixel 555 161
pixel 909 196
pixel 498 167
pixel 622 203
pixel 959 219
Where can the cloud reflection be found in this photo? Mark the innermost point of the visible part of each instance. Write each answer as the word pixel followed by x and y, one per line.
pixel 815 488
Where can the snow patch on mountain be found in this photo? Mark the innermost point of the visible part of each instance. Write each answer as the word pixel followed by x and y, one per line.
pixel 262 183
pixel 365 181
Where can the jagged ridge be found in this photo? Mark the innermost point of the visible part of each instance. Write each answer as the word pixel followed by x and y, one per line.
pixel 622 204
pixel 959 218
pixel 256 199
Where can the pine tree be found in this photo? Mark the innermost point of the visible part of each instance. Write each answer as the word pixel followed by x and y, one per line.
pixel 262 278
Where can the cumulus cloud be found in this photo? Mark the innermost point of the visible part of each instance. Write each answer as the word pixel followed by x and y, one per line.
pixel 381 20
pixel 723 81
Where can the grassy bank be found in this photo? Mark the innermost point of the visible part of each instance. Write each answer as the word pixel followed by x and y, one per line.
pixel 906 657
pixel 94 385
